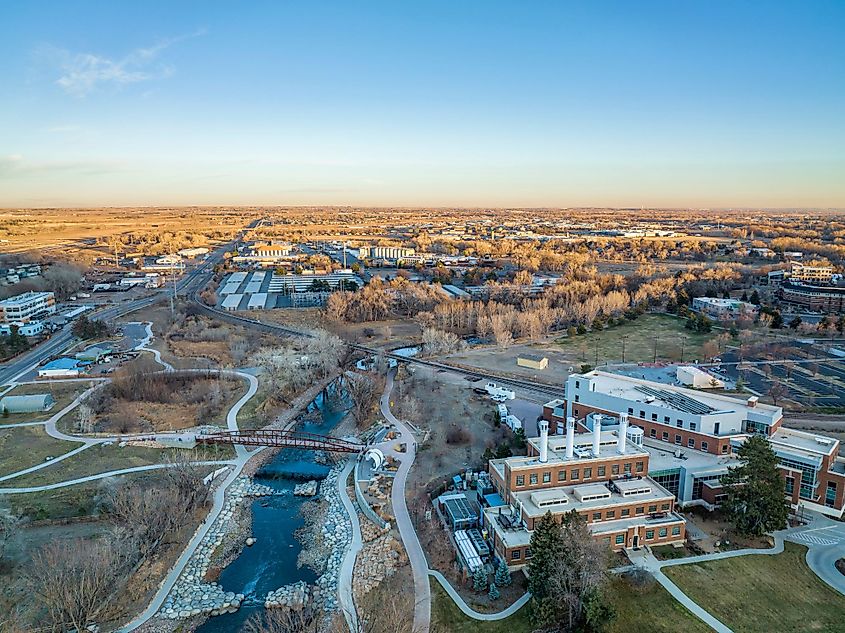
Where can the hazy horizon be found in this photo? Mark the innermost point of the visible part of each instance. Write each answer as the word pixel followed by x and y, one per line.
pixel 489 104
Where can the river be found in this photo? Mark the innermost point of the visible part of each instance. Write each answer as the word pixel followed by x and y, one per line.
pixel 271 562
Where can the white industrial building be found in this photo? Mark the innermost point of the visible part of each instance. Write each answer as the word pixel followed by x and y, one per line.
pixel 257 301
pixel 691 376
pixel 384 252
pixel 26 307
pixel 33 328
pixel 232 301
pixel 722 308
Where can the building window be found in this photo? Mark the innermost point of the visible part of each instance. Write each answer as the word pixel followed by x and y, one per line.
pixel 620 538
pixel 640 467
pixel 532 479
pixel 691 443
pixel 652 509
pixel 588 472
pixel 693 426
pixel 724 448
pixel 665 436
pixel 679 424
pixel 649 535
pixel 630 411
pixel 596 516
pixel 577 384
pixel 610 514
pixel 704 446
pixel 561 475
pixel 614 469
pixel 573 474
pixel 527 553
pixel 652 433
pixel 830 494
pixel 547 477
pixel 716 428
pixel 627 468
pixel 602 470
pixel 790 485
pixel 654 417
pixel 577 398
pixel 666 419
pixel 676 530
pixel 520 480
pixel 516 554
pixel 642 415
pixel 677 439
pixel 664 506
pixel 662 533
pixel 626 512
pixel 640 509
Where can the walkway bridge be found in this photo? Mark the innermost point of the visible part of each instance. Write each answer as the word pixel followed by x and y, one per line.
pixel 282 439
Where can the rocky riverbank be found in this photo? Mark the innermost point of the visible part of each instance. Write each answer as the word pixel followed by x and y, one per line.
pixel 192 595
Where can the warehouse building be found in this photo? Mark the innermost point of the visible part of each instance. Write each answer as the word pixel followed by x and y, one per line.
pixel 35 403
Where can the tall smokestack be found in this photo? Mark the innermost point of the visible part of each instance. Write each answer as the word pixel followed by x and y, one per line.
pixel 596 434
pixel 623 433
pixel 570 437
pixel 544 441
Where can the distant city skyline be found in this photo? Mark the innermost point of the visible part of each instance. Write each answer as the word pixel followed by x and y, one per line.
pixel 476 104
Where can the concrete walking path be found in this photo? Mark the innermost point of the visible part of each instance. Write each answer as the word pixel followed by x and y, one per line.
pixel 416 556
pixel 345 594
pixel 471 613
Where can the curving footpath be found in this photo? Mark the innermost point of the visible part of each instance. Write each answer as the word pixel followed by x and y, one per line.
pixel 416 556
pixel 468 611
pixel 345 595
pixel 105 475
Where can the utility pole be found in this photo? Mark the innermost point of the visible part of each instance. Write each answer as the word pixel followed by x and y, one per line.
pixel 683 344
pixel 655 349
pixel 624 338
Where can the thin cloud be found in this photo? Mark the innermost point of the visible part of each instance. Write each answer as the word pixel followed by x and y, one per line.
pixel 81 73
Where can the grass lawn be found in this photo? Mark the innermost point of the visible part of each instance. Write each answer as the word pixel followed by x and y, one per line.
pixel 639 345
pixel 63 394
pixel 28 446
pixel 646 607
pixel 100 459
pixel 763 593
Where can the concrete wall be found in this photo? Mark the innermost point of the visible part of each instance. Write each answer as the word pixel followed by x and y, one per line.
pixel 365 507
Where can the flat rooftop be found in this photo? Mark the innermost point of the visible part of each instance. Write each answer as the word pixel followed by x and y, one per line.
pixel 670 396
pixel 803 441
pixel 583 450
pixel 662 456
pixel 588 497
pixel 24 298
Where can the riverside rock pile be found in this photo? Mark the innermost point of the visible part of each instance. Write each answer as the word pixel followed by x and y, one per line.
pixel 336 537
pixel 378 558
pixel 306 489
pixel 191 596
pixel 293 596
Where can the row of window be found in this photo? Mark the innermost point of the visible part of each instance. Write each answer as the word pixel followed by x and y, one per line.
pixel 575 474
pixel 703 446
pixel 679 423
pixel 649 535
pixel 626 512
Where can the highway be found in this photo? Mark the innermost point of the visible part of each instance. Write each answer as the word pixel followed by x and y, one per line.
pixel 193 281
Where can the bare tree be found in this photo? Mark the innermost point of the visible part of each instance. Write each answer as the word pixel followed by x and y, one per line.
pixel 84 418
pixel 364 394
pixel 778 391
pixel 74 580
pixel 9 527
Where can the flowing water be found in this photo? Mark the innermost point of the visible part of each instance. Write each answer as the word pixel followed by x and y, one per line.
pixel 271 562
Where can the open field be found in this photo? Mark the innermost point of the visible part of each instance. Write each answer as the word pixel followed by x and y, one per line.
pixel 63 393
pixel 102 458
pixel 28 446
pixel 645 607
pixel 763 593
pixel 640 337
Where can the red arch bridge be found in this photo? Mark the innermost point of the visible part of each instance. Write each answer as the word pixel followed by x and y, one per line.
pixel 283 439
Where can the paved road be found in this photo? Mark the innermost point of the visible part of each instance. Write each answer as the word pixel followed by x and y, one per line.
pixel 345 596
pixel 419 564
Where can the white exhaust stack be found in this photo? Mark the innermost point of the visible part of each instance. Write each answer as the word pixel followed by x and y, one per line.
pixel 623 433
pixel 596 434
pixel 544 441
pixel 570 438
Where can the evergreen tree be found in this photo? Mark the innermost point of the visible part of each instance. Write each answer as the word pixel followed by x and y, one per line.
pixel 546 549
pixel 744 296
pixel 777 320
pixel 479 580
pixel 755 298
pixel 493 594
pixel 755 499
pixel 795 323
pixel 503 575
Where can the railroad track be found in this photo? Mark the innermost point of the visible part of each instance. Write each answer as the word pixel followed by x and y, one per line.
pixel 272 328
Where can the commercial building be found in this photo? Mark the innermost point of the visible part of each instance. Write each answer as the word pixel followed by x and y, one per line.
pixel 813 273
pixel 532 361
pixel 286 284
pixel 384 252
pixel 722 308
pixel 600 475
pixel 60 368
pixel 691 376
pixel 26 307
pixel 691 438
pixel 33 328
pixel 35 403
pixel 829 299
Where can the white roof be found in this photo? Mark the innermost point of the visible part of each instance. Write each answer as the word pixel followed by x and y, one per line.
pixel 232 301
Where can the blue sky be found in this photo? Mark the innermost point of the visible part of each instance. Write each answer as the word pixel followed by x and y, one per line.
pixel 483 103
